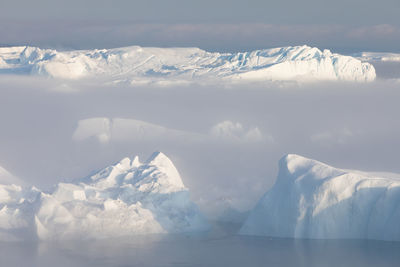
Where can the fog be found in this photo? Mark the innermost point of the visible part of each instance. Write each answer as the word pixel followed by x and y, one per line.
pixel 221 250
pixel 224 139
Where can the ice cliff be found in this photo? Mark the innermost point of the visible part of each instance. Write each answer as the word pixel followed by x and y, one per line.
pixel 313 200
pixel 139 65
pixel 124 199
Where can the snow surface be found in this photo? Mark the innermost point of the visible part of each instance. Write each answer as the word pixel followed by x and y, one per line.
pixel 313 200
pixel 124 199
pixel 164 66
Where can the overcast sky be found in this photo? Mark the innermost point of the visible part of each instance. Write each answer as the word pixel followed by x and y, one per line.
pixel 230 25
pixel 353 12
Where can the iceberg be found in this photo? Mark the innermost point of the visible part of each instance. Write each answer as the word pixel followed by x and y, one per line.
pixel 146 65
pixel 313 200
pixel 377 56
pixel 121 129
pixel 124 199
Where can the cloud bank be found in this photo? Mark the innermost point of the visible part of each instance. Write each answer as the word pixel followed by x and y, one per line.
pixel 236 36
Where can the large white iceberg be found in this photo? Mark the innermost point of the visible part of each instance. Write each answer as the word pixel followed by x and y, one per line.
pixel 138 65
pixel 124 199
pixel 313 200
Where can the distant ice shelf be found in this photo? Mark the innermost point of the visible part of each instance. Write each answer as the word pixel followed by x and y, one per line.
pixel 377 56
pixel 313 200
pixel 124 199
pixel 163 66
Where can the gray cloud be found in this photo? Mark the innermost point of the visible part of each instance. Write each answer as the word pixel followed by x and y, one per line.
pixel 350 12
pixel 210 36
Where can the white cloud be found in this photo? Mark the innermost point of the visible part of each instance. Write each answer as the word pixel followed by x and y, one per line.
pixel 234 131
pixel 99 128
pixel 340 136
pixel 214 36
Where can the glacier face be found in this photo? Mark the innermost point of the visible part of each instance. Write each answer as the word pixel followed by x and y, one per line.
pixel 124 199
pixel 313 200
pixel 138 65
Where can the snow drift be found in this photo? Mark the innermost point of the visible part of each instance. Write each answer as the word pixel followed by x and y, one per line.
pixel 313 200
pixel 124 199
pixel 139 65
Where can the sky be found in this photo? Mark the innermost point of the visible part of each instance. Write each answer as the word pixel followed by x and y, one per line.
pixel 344 26
pixel 351 12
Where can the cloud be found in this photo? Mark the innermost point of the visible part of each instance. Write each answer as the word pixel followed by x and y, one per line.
pixel 98 128
pixel 374 31
pixel 234 131
pixel 210 36
pixel 333 137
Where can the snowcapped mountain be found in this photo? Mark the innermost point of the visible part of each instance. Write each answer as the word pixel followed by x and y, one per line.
pixel 124 199
pixel 313 200
pixel 139 65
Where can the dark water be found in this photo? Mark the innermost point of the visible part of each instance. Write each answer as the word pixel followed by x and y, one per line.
pixel 212 249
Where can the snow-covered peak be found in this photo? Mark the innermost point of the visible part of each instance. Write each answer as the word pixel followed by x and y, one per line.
pixel 157 174
pixel 30 55
pixel 158 158
pixel 135 163
pixel 138 65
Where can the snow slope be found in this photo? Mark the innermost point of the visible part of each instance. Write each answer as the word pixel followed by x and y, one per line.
pixel 138 65
pixel 124 199
pixel 313 200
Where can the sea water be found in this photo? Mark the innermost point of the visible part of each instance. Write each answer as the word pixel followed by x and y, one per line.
pixel 215 248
